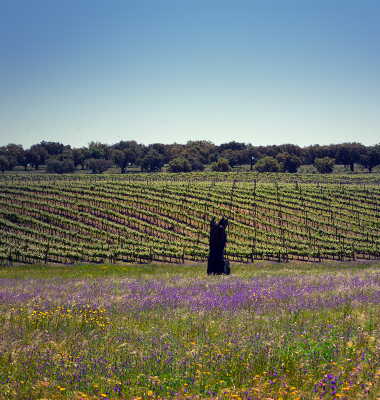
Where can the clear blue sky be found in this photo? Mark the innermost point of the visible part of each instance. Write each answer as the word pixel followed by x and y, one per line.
pixel 258 71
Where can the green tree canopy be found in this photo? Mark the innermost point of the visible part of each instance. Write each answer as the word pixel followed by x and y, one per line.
pixel 324 165
pixel 350 153
pixel 222 165
pixel 98 166
pixel 371 157
pixel 123 158
pixel 288 162
pixel 33 158
pixel 95 152
pixel 60 167
pixel 4 164
pixel 179 164
pixel 153 161
pixel 267 164
pixel 52 148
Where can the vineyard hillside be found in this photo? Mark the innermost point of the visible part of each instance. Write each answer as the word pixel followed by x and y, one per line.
pixel 165 217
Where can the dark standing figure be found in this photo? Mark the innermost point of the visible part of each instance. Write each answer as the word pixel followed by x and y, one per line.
pixel 216 263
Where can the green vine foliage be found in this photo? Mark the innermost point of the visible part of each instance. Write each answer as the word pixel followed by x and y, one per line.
pixel 159 217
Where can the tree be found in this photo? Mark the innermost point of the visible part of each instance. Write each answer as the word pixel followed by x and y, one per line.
pixel 13 153
pixel 179 164
pixel 267 164
pixel 123 158
pixel 198 151
pixel 14 150
pixel 133 153
pixel 152 161
pixel 234 146
pixel 291 149
pixel 77 157
pixel 350 153
pixel 24 160
pixel 288 162
pixel 324 165
pixel 4 164
pixel 12 162
pixel 162 149
pixel 371 158
pixel 33 158
pixel 310 153
pixel 236 157
pixel 125 144
pixel 98 166
pixel 52 148
pixel 271 151
pixel 253 155
pixel 292 163
pixel 95 152
pixel 196 165
pixel 60 167
pixel 213 157
pixel 42 153
pixel 222 165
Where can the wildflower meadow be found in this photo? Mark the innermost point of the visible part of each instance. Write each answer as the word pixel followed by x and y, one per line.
pixel 268 331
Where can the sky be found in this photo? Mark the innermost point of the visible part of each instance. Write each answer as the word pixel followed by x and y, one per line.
pixel 163 71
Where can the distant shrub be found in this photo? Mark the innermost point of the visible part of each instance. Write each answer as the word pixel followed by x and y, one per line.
pixel 324 165
pixel 4 164
pixel 222 165
pixel 60 167
pixel 288 162
pixel 179 164
pixel 267 164
pixel 197 165
pixel 98 166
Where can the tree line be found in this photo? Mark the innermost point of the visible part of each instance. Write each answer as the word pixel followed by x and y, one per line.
pixel 192 156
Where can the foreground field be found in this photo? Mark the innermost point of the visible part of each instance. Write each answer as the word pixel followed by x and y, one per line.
pixel 165 218
pixel 268 331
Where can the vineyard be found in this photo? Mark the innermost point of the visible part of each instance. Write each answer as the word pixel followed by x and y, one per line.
pixel 162 217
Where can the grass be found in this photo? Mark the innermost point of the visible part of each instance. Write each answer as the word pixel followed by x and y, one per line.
pixel 268 331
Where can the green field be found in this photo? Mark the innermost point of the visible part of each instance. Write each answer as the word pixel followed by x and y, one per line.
pixel 297 319
pixel 165 217
pixel 268 331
